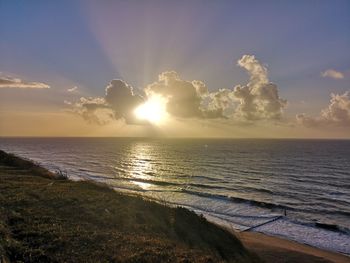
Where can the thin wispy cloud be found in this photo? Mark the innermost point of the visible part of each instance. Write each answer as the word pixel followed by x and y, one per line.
pixel 331 73
pixel 7 82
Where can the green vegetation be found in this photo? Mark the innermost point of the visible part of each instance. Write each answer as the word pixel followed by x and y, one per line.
pixel 43 219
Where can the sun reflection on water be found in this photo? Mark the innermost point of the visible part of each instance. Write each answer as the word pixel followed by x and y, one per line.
pixel 141 166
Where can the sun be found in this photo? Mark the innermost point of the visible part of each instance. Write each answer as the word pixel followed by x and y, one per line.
pixel 153 110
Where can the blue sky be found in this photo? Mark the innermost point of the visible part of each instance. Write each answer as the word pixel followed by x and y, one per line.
pixel 88 43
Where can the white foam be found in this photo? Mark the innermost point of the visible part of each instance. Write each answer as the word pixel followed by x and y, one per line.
pixel 317 237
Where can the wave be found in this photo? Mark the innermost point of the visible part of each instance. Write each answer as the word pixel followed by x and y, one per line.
pixel 186 188
pixel 332 227
pixel 231 217
pixel 237 199
pixel 187 184
pixel 263 204
pixel 321 183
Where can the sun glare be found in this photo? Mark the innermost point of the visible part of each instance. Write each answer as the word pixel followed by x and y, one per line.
pixel 153 110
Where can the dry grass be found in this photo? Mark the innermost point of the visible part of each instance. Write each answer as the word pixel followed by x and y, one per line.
pixel 30 166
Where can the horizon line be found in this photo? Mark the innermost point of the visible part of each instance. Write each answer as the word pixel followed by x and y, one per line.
pixel 177 137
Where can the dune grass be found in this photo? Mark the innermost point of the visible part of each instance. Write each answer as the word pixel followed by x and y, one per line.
pixel 43 219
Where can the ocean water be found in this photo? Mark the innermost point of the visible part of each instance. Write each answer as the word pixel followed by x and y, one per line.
pixel 296 189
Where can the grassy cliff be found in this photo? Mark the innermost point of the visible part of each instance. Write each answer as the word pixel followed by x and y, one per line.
pixel 46 219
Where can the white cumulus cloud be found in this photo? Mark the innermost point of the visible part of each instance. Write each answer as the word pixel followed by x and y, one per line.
pixel 337 113
pixel 257 100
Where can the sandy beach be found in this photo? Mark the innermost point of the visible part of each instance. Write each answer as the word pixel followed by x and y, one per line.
pixel 274 249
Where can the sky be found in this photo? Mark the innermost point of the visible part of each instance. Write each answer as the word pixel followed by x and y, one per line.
pixel 195 68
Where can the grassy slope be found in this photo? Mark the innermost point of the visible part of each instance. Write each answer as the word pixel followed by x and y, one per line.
pixel 43 219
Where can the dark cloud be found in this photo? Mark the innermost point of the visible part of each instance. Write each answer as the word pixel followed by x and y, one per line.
pixel 122 100
pixel 119 103
pixel 337 114
pixel 16 83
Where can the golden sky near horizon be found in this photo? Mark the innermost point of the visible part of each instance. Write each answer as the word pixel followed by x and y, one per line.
pixel 175 69
pixel 168 107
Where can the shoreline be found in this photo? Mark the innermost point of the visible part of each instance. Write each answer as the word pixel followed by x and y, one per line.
pixel 269 248
pixel 227 225
pixel 251 238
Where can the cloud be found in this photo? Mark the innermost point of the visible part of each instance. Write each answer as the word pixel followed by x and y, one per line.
pixel 184 98
pixel 331 73
pixel 337 114
pixel 93 110
pixel 121 98
pixel 258 99
pixel 119 103
pixel 73 90
pixel 16 83
pixel 221 102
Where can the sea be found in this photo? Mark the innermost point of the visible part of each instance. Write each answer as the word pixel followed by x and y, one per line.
pixel 294 189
